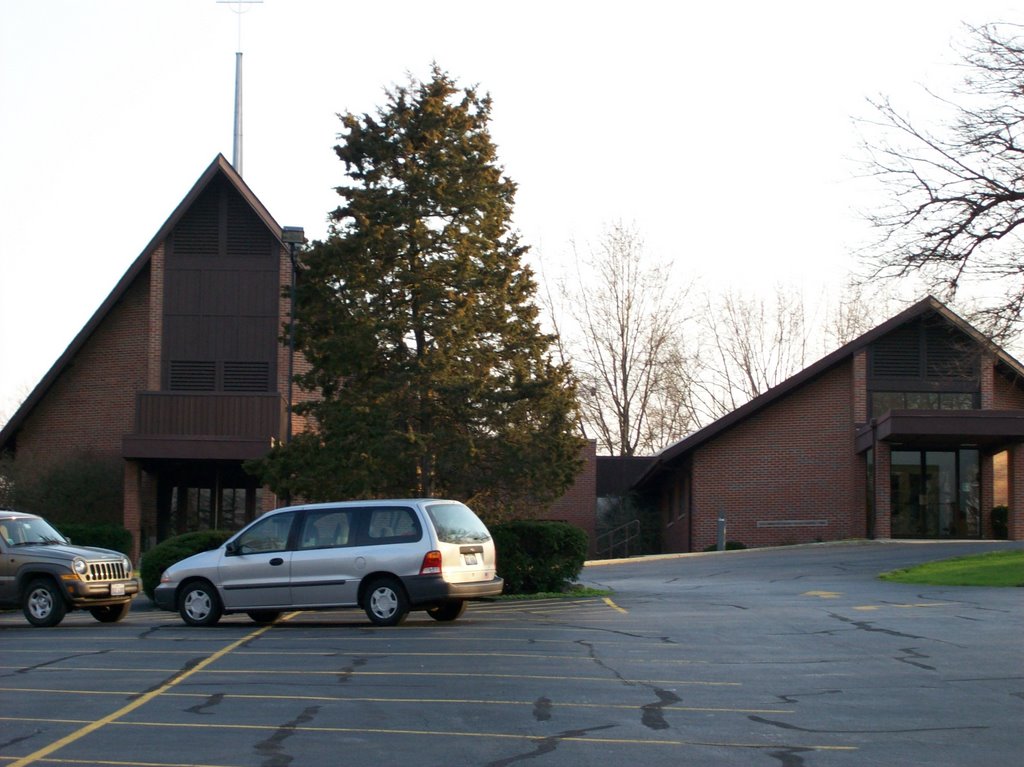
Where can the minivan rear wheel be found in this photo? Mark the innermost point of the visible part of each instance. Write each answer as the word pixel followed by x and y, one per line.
pixel 448 611
pixel 386 603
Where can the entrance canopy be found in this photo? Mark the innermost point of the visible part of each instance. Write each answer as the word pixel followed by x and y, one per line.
pixel 944 428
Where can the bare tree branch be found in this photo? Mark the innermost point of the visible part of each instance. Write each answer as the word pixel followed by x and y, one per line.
pixel 954 211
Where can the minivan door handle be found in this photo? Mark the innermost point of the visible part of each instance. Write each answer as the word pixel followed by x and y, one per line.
pixel 276 561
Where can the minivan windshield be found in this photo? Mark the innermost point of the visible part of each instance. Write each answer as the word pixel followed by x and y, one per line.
pixel 456 523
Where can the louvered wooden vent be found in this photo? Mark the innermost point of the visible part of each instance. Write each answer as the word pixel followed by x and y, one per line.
pixel 189 375
pixel 246 234
pixel 897 355
pixel 949 355
pixel 198 232
pixel 247 376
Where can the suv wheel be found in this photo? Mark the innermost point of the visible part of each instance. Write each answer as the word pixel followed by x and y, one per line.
pixel 199 604
pixel 111 613
pixel 44 604
pixel 386 603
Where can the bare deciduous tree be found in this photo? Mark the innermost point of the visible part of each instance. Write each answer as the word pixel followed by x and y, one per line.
pixel 955 205
pixel 858 310
pixel 627 348
pixel 749 346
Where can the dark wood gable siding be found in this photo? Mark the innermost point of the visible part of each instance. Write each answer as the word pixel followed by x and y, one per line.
pixel 925 354
pixel 221 293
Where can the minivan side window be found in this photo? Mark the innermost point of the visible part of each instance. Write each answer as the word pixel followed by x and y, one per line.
pixel 329 528
pixel 270 534
pixel 396 524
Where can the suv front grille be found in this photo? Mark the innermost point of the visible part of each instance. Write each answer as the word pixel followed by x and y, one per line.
pixel 106 571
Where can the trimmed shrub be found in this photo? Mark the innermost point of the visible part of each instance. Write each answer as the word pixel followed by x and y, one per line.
pixel 175 549
pixel 536 556
pixel 729 546
pixel 101 536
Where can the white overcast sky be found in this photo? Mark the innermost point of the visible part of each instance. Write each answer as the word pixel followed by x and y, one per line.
pixel 721 130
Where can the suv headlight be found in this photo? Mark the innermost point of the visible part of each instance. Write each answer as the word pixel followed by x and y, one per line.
pixel 127 567
pixel 79 566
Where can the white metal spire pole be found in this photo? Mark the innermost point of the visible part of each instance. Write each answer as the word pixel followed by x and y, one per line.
pixel 236 154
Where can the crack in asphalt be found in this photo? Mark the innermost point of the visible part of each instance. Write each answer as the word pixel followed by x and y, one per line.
pixel 190 664
pixel 790 757
pixel 653 717
pixel 544 745
pixel 61 659
pixel 214 700
pixel 911 654
pixel 345 674
pixel 272 749
pixel 542 709
pixel 870 627
pixel 14 741
pixel 651 713
pixel 795 728
pixel 616 632
pixel 797 697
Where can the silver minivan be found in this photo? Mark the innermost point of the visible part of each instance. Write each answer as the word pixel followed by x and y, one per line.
pixel 387 557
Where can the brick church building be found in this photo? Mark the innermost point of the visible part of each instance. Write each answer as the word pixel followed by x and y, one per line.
pixel 913 430
pixel 181 375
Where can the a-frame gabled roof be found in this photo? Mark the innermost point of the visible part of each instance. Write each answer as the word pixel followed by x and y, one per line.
pixel 219 167
pixel 819 368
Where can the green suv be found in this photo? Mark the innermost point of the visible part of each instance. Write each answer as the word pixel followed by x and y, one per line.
pixel 44 575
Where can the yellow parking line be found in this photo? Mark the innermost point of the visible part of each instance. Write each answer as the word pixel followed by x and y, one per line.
pixel 614 606
pixel 135 704
pixel 496 735
pixel 446 674
pixel 369 699
pixel 132 763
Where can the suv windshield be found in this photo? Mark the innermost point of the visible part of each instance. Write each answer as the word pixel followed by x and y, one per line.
pixel 23 531
pixel 456 523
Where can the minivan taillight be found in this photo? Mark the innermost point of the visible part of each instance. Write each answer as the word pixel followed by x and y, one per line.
pixel 431 563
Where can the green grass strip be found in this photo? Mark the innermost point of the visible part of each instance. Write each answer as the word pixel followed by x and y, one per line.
pixel 997 568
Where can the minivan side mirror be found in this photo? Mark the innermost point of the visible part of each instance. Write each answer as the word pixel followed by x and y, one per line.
pixel 231 549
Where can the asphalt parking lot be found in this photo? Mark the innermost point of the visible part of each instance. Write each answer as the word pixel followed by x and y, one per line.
pixel 777 657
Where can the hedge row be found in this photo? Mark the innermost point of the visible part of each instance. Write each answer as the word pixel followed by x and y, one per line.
pixel 100 536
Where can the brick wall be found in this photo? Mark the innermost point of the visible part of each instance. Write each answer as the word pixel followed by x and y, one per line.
pixel 1016 492
pixel 786 474
pixel 1006 395
pixel 91 405
pixel 579 504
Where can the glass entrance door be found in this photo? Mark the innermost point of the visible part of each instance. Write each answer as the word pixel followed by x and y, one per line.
pixel 934 494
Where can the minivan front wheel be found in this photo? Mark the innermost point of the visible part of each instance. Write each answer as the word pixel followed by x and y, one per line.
pixel 386 603
pixel 199 604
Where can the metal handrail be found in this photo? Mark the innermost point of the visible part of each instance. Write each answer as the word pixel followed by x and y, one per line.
pixel 620 541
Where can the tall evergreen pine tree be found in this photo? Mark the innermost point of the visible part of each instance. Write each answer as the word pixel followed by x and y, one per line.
pixel 417 317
